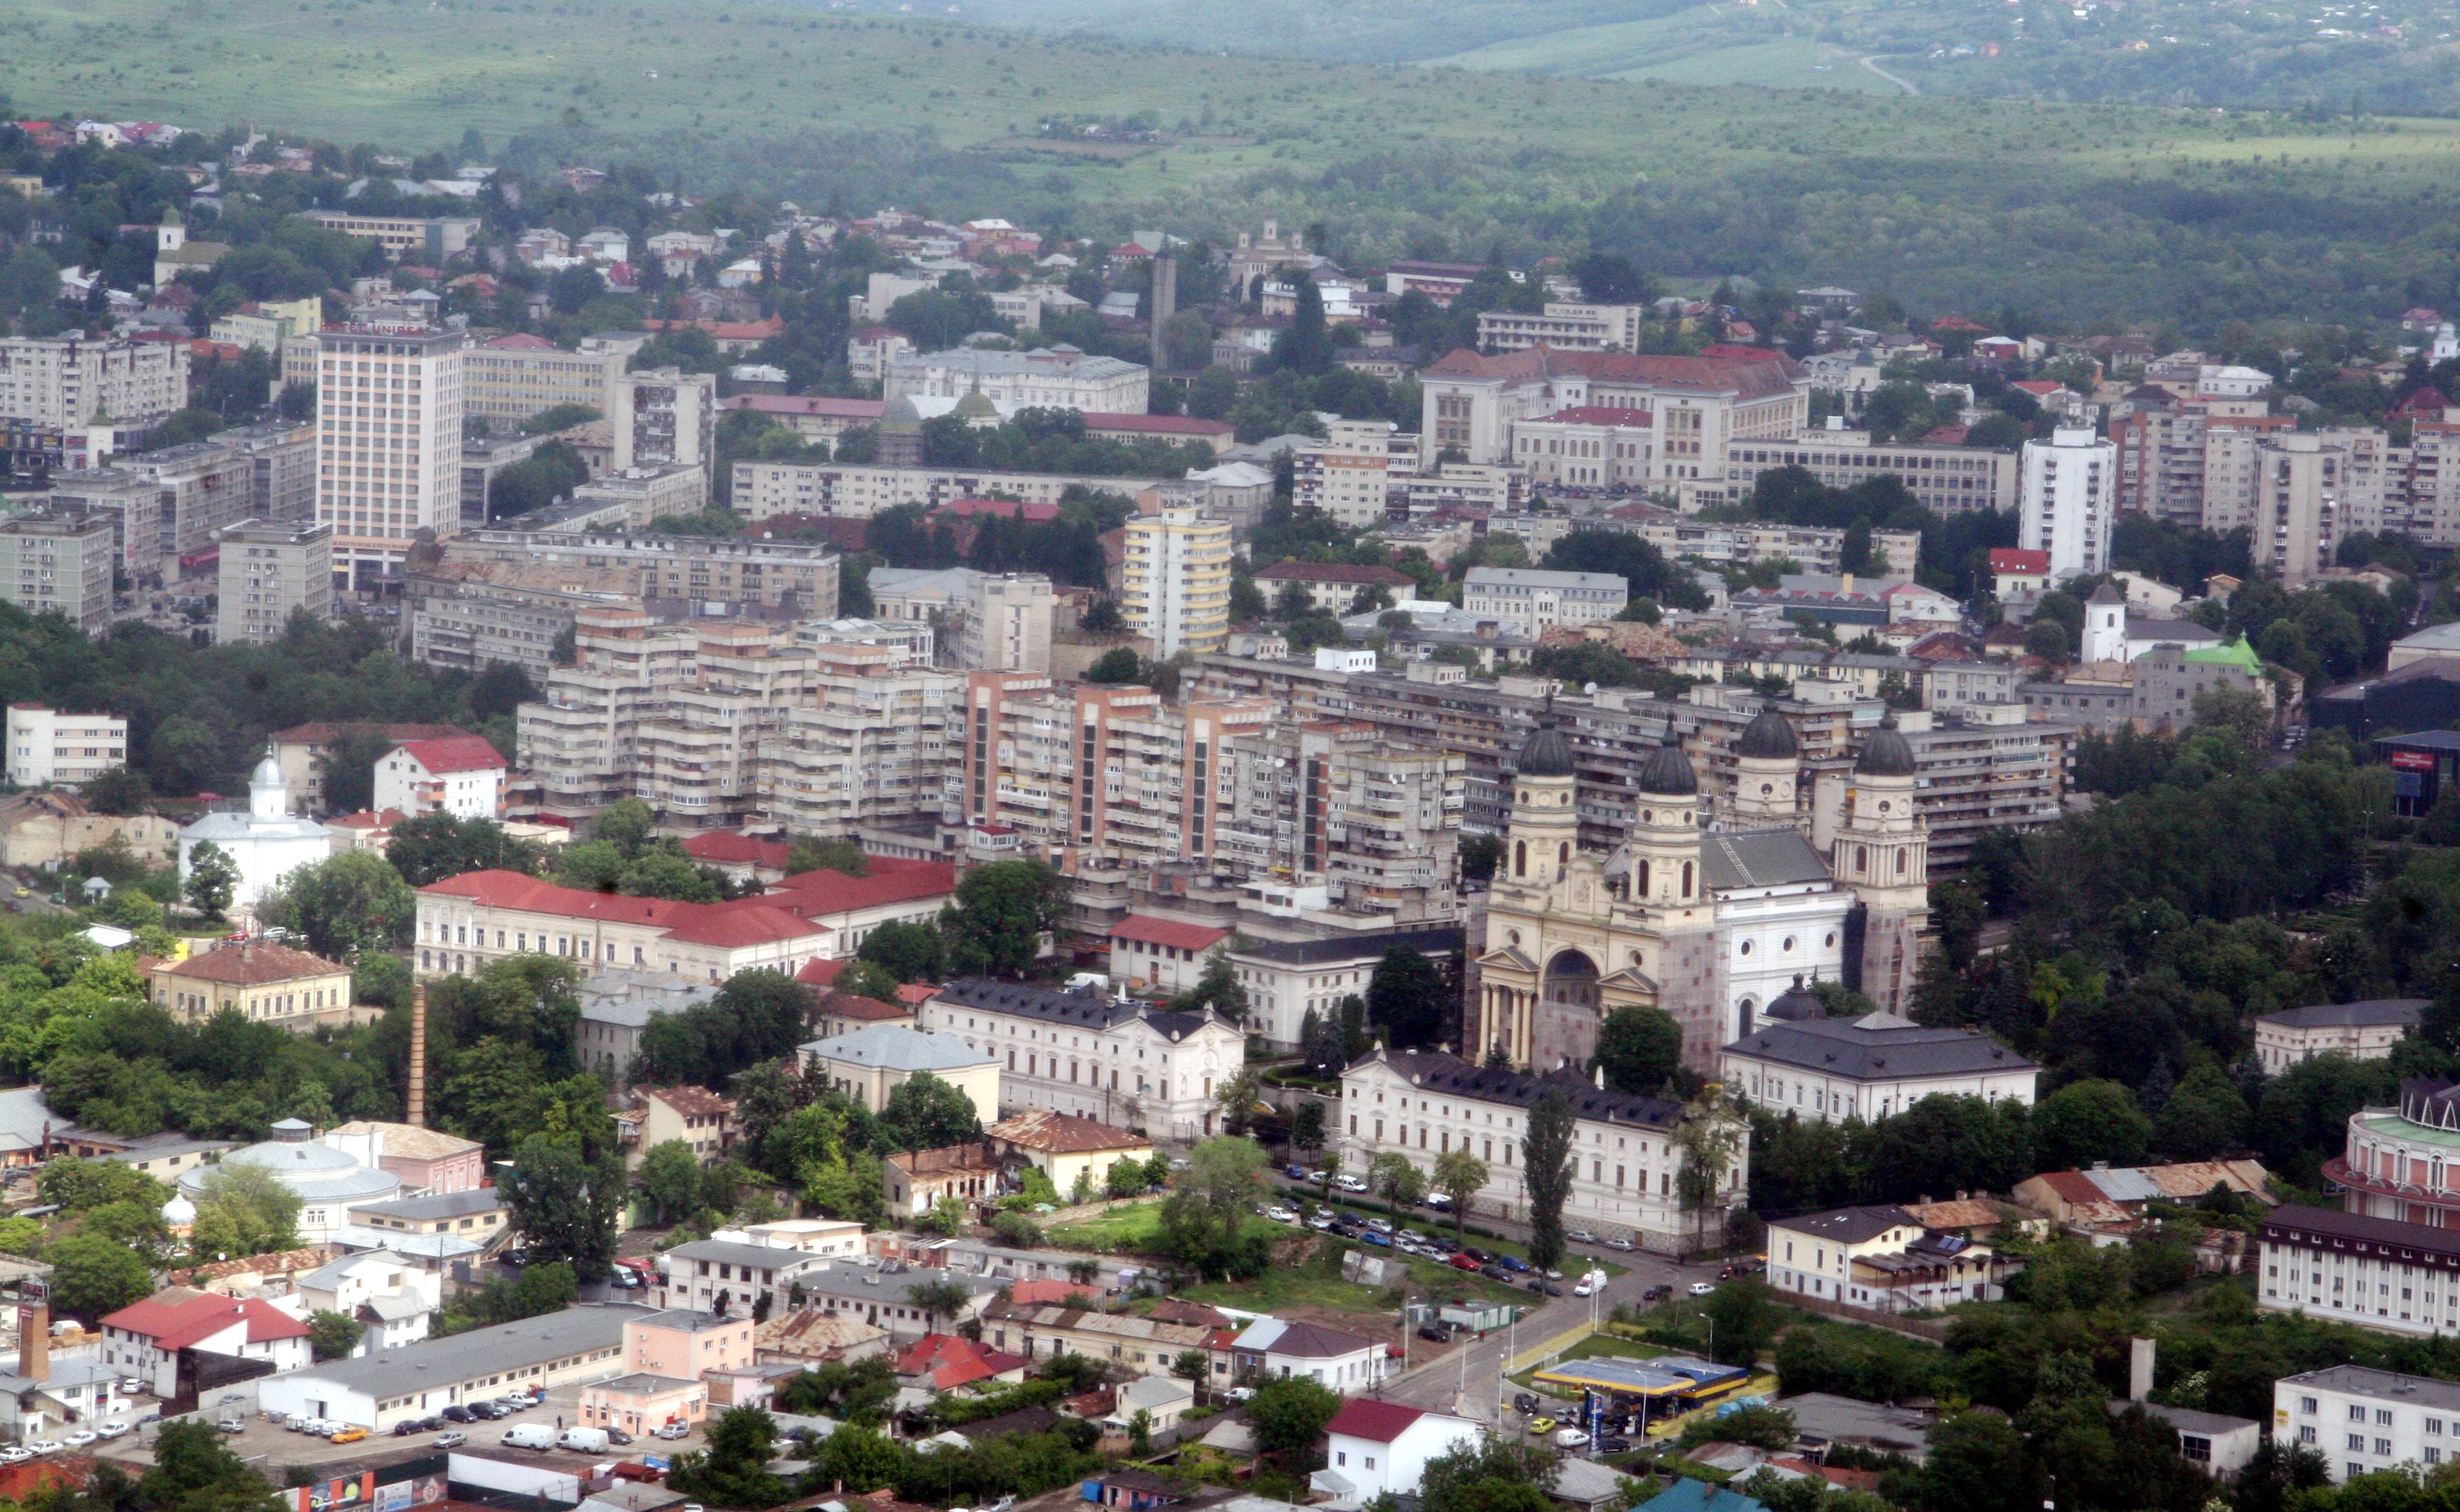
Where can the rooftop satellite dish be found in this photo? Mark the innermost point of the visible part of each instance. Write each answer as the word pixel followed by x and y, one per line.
pixel 1590 688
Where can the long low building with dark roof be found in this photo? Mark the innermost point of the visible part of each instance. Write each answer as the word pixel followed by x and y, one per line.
pixel 1288 979
pixel 1833 1069
pixel 1627 1148
pixel 1114 1060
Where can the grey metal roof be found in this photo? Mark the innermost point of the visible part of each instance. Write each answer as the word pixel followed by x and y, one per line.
pixel 1877 1047
pixel 895 1047
pixel 397 1306
pixel 688 1319
pixel 1363 949
pixel 1759 858
pixel 2348 1015
pixel 2364 1380
pixel 645 1381
pixel 760 1257
pixel 26 1119
pixel 1090 1009
pixel 433 1364
pixel 1850 1226
pixel 440 1205
pixel 2187 1419
pixel 326 1276
pixel 850 1281
pixel 1438 1072
pixel 155 1146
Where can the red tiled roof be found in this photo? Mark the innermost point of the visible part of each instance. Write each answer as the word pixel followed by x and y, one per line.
pixel 1377 1421
pixel 746 921
pixel 952 1362
pixel 914 995
pixel 820 973
pixel 1157 425
pixel 253 964
pixel 1005 509
pixel 1167 931
pixel 1052 1293
pixel 455 753
pixel 853 1005
pixel 1334 573
pixel 721 847
pixel 177 1325
pixel 2017 559
pixel 892 880
pixel 690 1100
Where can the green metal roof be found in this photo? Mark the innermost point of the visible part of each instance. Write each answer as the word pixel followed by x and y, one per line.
pixel 2231 653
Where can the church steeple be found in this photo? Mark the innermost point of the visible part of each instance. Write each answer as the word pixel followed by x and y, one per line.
pixel 1882 853
pixel 1767 773
pixel 1664 843
pixel 1545 819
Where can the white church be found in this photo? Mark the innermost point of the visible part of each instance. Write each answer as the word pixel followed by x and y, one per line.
pixel 264 843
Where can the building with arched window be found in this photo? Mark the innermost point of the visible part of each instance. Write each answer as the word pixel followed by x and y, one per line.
pixel 1709 920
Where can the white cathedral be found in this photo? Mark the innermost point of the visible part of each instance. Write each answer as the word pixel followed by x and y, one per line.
pixel 1709 922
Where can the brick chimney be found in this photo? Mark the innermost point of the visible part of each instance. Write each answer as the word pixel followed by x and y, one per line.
pixel 34 1341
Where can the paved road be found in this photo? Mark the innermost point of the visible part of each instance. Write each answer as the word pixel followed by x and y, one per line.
pixel 1873 64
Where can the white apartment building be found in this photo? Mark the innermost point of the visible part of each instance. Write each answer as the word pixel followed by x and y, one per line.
pixel 1566 325
pixel 872 746
pixel 2067 503
pixel 59 564
pixel 462 775
pixel 435 238
pixel 1374 821
pixel 664 416
pixel 48 746
pixel 1943 479
pixel 284 454
pixel 388 408
pixel 269 571
pixel 1175 585
pixel 860 490
pixel 1627 1151
pixel 1117 1062
pixel 63 383
pixel 1530 600
pixel 510 378
pixel 2362 1419
pixel 1348 475
pixel 1059 377
pixel 203 486
pixel 2377 1273
pixel 2303 492
pixel 1007 622
pixel 130 501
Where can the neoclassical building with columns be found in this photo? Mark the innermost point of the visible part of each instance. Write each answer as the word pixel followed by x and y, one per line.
pixel 1708 917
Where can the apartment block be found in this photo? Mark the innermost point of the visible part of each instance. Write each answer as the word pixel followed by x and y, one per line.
pixel 59 564
pixel 1565 325
pixel 130 501
pixel 1350 475
pixel 264 326
pixel 1943 479
pixel 1343 804
pixel 630 499
pixel 283 455
pixel 66 383
pixel 204 488
pixel 510 378
pixel 388 465
pixel 871 745
pixel 434 238
pixel 861 491
pixel 662 417
pixel 50 746
pixel 1811 548
pixel 269 571
pixel 1174 584
pixel 796 578
pixel 2360 1419
pixel 1016 771
pixel 2067 503
pixel 468 614
pixel 581 741
pixel 1007 622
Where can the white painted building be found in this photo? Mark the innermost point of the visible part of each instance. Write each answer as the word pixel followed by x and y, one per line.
pixel 49 745
pixel 1626 1150
pixel 389 443
pixel 1110 1059
pixel 1060 377
pixel 1833 1069
pixel 1270 1349
pixel 144 1339
pixel 2067 500
pixel 2361 1031
pixel 2362 1419
pixel 1373 1448
pixel 265 843
pixel 392 1298
pixel 419 1380
pixel 1881 1258
pixel 1288 979
pixel 2380 1273
pixel 462 775
pixel 1529 601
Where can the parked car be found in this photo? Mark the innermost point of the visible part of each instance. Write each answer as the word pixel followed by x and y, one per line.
pixel 1239 1393
pixel 457 1413
pixel 1438 1202
pixel 350 1436
pixel 1570 1437
pixel 1513 1263
pixel 1495 1272
pixel 44 1447
pixel 1658 1293
pixel 490 1411
pixel 1621 1242
pixel 82 1437
pixel 1583 1289
pixel 670 1431
pixel 1295 1173
pixel 1382 1241
pixel 1546 1287
pixel 1321 1221
pixel 1541 1425
pixel 1351 1183
pixel 1477 1254
pixel 1614 1446
pixel 1382 1226
pixel 1524 1403
pixel 1704 1289
pixel 1580 1237
pixel 1281 1214
pixel 13 1455
pixel 403 1430
pixel 1434 1336
pixel 112 1429
pixel 1462 1262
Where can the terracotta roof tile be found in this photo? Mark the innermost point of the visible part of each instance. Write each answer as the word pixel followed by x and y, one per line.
pixel 254 964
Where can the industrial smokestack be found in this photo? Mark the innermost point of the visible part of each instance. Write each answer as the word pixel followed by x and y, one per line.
pixel 416 1117
pixel 2139 1368
pixel 34 1341
pixel 1165 297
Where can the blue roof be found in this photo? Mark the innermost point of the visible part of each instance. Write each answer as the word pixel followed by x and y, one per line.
pixel 1699 1496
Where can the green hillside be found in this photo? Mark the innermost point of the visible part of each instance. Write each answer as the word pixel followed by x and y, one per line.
pixel 2095 213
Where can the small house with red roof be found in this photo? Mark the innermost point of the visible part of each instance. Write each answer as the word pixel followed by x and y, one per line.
pixel 1162 953
pixel 2019 573
pixel 943 1362
pixel 462 775
pixel 835 1013
pixel 1373 1447
pixel 145 1340
pixel 742 857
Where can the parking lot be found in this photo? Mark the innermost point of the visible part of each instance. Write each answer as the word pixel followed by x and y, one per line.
pixel 271 1446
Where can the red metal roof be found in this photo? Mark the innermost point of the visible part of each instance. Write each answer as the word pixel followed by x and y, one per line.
pixel 815 895
pixel 1167 931
pixel 455 753
pixel 721 847
pixel 177 1325
pixel 746 921
pixel 1376 1422
pixel 2017 559
pixel 952 1362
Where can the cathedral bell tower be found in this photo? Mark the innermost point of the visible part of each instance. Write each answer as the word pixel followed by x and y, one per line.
pixel 1545 830
pixel 1665 846
pixel 1768 769
pixel 1882 853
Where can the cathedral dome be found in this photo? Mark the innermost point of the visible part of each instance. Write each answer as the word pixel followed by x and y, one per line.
pixel 1668 773
pixel 1887 753
pixel 1768 738
pixel 267 774
pixel 1795 1004
pixel 1546 754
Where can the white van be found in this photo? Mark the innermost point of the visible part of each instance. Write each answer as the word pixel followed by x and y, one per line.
pixel 587 1440
pixel 529 1435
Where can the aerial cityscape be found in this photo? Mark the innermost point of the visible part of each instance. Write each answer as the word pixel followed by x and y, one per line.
pixel 991 758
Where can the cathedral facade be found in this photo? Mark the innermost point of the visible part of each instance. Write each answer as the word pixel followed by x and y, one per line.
pixel 1708 917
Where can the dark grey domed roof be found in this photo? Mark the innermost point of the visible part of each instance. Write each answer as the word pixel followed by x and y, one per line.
pixel 1887 753
pixel 1795 1004
pixel 1768 737
pixel 1667 773
pixel 1546 754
